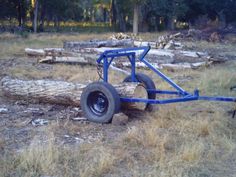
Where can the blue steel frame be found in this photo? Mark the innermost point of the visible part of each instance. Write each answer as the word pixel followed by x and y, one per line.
pixel 108 56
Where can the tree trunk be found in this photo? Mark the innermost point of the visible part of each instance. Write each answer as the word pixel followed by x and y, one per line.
pixel 36 6
pixel 74 45
pixel 136 19
pixel 104 15
pixel 60 92
pixel 171 23
pixel 42 18
pixel 222 19
pixel 113 13
pixel 121 20
pixel 34 52
pixel 92 13
pixel 19 8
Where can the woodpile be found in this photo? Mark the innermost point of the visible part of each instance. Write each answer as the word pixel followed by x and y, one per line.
pixel 163 42
pixel 160 58
pixel 215 37
pixel 119 36
pixel 209 34
pixel 164 53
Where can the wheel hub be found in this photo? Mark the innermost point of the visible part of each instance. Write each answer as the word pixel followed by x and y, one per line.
pixel 98 103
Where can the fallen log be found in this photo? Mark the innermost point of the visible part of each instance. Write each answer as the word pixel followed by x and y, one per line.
pixel 79 59
pixel 75 45
pixel 181 66
pixel 61 92
pixel 160 56
pixel 124 64
pixel 35 52
pixel 56 52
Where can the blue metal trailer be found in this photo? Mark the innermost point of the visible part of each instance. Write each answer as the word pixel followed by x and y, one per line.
pixel 100 100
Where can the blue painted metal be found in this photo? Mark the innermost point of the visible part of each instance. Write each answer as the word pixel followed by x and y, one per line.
pixel 183 96
pixel 152 101
pixel 168 92
pixel 211 98
pixel 163 76
pixel 133 78
pixel 181 99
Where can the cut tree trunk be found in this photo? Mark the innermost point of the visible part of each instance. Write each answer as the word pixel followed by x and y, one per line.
pixel 159 56
pixel 88 60
pixel 61 92
pixel 78 59
pixel 56 52
pixel 36 7
pixel 136 19
pixel 35 52
pixel 75 45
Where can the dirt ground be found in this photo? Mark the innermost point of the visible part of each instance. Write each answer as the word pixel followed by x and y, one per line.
pixel 187 139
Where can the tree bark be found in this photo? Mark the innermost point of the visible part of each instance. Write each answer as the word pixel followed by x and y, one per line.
pixel 113 13
pixel 34 52
pixel 136 19
pixel 171 23
pixel 19 9
pixel 42 17
pixel 121 19
pixel 36 6
pixel 82 59
pixel 61 92
pixel 74 45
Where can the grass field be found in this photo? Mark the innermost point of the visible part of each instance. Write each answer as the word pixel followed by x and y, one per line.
pixel 195 139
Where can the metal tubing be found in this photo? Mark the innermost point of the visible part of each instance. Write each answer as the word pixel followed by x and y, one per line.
pixel 163 76
pixel 130 53
pixel 168 92
pixel 120 54
pixel 105 69
pixel 182 99
pixel 211 98
pixel 152 101
pixel 133 78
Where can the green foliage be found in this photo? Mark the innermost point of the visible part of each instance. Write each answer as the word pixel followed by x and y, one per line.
pixel 118 12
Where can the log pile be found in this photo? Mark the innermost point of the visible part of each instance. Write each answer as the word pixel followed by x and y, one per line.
pixel 120 36
pixel 163 42
pixel 163 53
pixel 160 58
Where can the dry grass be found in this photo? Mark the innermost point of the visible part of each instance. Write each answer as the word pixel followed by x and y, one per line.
pixel 13 45
pixel 50 159
pixel 169 142
pixel 218 80
pixel 2 144
pixel 225 49
pixel 189 139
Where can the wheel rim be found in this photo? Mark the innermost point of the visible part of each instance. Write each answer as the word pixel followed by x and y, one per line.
pixel 97 103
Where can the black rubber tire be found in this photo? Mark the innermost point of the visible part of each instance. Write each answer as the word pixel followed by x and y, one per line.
pixel 90 106
pixel 148 83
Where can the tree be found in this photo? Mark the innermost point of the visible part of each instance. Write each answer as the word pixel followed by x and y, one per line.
pixel 14 9
pixel 7 10
pixel 170 11
pixel 136 7
pixel 36 8
pixel 122 10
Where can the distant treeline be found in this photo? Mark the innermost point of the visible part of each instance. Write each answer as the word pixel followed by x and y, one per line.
pixel 120 15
